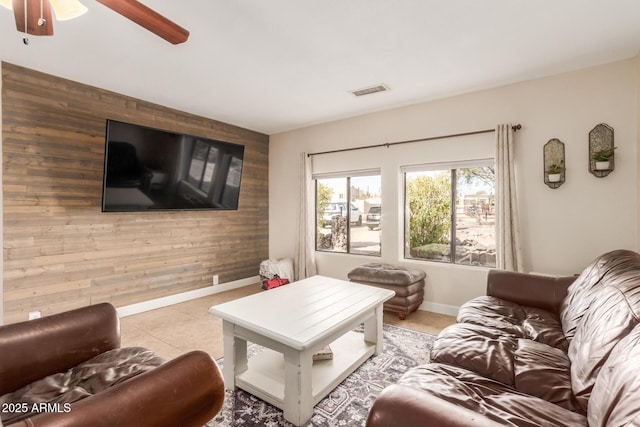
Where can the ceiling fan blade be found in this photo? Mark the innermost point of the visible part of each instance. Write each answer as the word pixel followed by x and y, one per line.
pixel 149 19
pixel 33 15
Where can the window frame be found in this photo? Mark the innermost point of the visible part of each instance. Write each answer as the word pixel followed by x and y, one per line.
pixel 452 167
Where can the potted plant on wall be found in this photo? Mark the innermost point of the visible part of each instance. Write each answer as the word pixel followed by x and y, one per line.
pixel 554 171
pixel 602 158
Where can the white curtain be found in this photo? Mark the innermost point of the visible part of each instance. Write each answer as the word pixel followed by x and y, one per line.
pixel 507 218
pixel 305 265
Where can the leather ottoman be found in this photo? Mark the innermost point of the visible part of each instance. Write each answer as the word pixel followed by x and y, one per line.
pixel 408 284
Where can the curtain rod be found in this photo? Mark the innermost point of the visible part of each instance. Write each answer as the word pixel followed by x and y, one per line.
pixel 389 144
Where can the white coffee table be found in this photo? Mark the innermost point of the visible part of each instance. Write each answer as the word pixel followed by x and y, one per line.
pixel 295 321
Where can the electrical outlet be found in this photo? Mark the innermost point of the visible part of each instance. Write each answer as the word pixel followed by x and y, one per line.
pixel 34 315
pixel 216 279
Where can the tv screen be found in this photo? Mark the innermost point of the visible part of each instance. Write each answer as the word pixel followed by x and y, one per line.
pixel 150 169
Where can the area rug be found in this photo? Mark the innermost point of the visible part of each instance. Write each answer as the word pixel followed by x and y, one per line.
pixel 349 403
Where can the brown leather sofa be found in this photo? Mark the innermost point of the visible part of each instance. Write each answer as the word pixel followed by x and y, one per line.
pixel 536 351
pixel 69 370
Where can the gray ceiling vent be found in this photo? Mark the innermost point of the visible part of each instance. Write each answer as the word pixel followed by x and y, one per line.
pixel 371 89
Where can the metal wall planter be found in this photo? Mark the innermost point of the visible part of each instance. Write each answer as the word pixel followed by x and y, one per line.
pixel 554 165
pixel 601 150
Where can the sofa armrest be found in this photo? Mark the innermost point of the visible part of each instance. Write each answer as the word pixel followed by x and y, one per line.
pixel 37 348
pixel 529 289
pixel 399 405
pixel 187 391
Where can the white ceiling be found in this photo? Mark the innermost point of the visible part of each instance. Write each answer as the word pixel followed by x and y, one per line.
pixel 277 65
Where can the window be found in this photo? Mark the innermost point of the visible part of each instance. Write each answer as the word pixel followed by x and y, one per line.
pixel 203 163
pixel 214 175
pixel 450 214
pixel 348 214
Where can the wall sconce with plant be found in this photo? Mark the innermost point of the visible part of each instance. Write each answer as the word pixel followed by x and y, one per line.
pixel 603 158
pixel 554 171
pixel 601 150
pixel 554 166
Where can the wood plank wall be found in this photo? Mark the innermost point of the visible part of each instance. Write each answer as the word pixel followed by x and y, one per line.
pixel 62 252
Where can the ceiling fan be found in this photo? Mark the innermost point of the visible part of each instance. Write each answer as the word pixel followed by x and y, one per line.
pixel 38 17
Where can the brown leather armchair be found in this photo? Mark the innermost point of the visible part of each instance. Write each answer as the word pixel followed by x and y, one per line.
pixel 69 370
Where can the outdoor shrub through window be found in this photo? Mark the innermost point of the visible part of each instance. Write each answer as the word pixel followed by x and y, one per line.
pixel 450 215
pixel 348 214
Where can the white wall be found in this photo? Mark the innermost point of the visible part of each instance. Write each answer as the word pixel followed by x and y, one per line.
pixel 637 89
pixel 1 210
pixel 562 229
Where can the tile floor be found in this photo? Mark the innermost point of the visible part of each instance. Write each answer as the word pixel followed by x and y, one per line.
pixel 174 330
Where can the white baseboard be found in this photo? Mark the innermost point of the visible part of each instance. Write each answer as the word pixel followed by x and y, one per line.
pixel 141 307
pixel 449 310
pixel 153 304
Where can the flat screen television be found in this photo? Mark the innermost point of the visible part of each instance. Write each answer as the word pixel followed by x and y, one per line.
pixel 149 169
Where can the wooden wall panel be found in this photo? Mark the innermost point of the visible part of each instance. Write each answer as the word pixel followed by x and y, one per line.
pixel 62 252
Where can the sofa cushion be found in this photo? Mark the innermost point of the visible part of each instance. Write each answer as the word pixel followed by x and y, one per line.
pixel 585 288
pixel 482 349
pixel 612 315
pixel 615 399
pixel 522 322
pixel 86 379
pixel 489 398
pixel 544 372
pixel 530 367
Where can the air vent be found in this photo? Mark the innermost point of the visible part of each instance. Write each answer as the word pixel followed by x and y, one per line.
pixel 371 89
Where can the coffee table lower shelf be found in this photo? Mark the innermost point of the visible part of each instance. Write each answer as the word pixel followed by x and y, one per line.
pixel 265 376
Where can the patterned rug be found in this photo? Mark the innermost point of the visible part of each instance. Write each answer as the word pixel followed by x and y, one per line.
pixel 349 403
